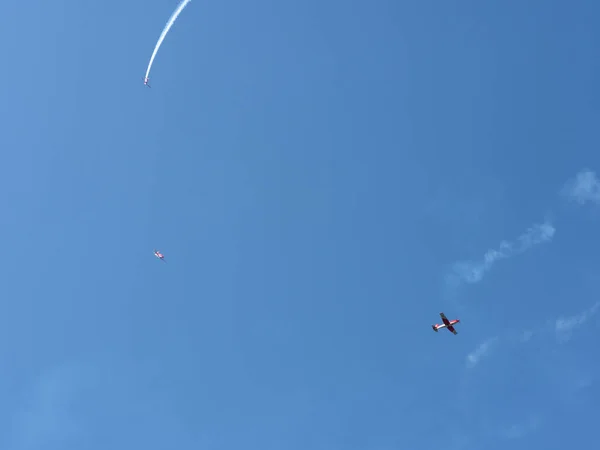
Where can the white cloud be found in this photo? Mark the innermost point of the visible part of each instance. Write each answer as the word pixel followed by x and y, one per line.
pixel 537 234
pixel 564 326
pixel 585 187
pixel 480 352
pixel 473 271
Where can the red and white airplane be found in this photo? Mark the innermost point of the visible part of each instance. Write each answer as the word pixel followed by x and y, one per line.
pixel 146 80
pixel 447 324
pixel 159 255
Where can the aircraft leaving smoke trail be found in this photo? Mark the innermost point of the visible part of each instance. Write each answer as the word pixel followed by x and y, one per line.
pixel 168 26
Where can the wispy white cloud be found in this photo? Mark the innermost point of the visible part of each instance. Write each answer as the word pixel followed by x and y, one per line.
pixel 519 430
pixel 585 187
pixel 564 326
pixel 473 271
pixel 480 352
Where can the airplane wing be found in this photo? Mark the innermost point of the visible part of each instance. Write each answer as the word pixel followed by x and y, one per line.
pixel 451 328
pixel 443 316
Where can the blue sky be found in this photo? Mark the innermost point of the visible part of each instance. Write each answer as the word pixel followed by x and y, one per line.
pixel 324 177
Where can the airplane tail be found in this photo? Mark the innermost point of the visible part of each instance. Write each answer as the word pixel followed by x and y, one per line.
pixel 434 328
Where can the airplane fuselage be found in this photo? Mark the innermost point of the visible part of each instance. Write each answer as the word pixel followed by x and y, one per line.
pixel 439 326
pixel 449 324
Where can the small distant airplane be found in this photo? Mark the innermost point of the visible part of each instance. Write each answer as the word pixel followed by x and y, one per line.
pixel 146 80
pixel 447 324
pixel 159 255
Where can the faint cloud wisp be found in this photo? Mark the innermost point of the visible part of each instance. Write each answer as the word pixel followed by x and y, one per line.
pixel 585 187
pixel 564 326
pixel 519 430
pixel 480 352
pixel 473 271
pixel 526 335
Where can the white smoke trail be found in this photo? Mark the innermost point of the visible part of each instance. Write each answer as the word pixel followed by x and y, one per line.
pixel 168 26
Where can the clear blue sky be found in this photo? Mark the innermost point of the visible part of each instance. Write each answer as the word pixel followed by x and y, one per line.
pixel 324 177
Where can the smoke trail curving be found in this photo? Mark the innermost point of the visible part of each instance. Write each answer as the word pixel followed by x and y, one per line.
pixel 168 26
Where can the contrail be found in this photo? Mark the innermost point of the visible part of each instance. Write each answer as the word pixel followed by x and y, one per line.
pixel 168 26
